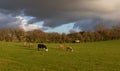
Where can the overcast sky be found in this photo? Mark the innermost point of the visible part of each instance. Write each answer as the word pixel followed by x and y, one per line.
pixel 55 13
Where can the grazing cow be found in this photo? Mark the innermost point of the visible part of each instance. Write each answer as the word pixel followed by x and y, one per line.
pixel 31 45
pixel 43 47
pixel 70 49
pixel 61 47
pixel 25 44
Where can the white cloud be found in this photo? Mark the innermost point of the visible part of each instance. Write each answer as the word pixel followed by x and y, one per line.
pixel 27 27
pixel 10 21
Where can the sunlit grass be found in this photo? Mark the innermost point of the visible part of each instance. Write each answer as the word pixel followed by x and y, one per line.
pixel 95 56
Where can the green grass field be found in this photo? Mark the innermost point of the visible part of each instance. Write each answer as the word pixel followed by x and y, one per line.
pixel 95 56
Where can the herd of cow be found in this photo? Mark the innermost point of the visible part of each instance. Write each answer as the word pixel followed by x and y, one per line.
pixel 44 47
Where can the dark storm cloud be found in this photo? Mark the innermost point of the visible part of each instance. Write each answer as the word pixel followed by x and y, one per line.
pixel 58 12
pixel 92 24
pixel 7 20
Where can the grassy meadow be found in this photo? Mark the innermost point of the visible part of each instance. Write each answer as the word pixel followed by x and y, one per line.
pixel 91 56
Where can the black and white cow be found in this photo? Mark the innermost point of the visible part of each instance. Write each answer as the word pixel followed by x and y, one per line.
pixel 43 47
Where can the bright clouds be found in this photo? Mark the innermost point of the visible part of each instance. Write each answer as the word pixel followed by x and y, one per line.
pixel 10 21
pixel 27 27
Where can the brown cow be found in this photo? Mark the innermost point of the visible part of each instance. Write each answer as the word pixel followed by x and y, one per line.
pixel 61 47
pixel 31 45
pixel 70 49
pixel 25 44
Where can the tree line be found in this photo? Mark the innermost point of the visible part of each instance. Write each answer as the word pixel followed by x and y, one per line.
pixel 37 36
